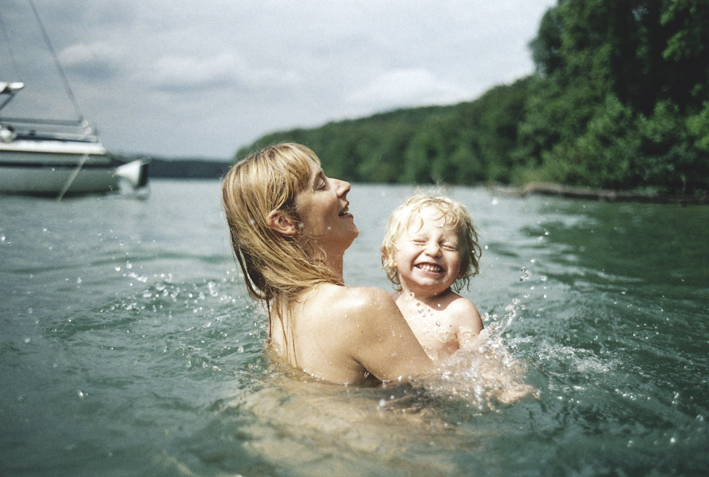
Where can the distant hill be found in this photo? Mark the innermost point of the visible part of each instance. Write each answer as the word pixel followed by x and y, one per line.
pixel 619 100
pixel 185 168
pixel 188 168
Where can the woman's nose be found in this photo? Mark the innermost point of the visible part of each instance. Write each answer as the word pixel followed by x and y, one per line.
pixel 343 187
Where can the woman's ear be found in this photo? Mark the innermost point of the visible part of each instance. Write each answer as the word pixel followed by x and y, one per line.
pixel 281 223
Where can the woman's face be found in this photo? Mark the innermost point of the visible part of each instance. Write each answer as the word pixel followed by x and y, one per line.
pixel 323 211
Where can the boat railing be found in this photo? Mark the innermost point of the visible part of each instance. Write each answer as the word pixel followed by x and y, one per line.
pixel 48 130
pixel 12 128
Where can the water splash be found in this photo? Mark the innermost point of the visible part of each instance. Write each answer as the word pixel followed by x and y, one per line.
pixel 485 374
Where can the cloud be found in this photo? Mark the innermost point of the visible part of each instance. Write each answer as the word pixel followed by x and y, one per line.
pixel 96 61
pixel 235 70
pixel 189 72
pixel 413 86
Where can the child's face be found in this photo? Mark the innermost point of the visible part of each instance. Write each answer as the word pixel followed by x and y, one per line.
pixel 427 259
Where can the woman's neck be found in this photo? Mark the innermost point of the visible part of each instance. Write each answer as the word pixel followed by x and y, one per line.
pixel 332 259
pixel 335 264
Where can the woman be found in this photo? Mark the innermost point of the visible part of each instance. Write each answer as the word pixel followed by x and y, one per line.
pixel 290 228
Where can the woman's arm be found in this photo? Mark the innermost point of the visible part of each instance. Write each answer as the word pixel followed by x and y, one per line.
pixel 380 339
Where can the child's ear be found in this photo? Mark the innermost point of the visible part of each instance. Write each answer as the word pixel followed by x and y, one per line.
pixel 281 223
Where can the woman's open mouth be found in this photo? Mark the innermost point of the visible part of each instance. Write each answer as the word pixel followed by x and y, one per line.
pixel 344 211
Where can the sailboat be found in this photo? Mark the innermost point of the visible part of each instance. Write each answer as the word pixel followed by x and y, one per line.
pixel 58 157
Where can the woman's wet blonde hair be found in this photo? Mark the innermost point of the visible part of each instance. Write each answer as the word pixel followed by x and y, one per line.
pixel 274 266
pixel 408 214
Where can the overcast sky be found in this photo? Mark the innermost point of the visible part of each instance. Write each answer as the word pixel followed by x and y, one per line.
pixel 205 77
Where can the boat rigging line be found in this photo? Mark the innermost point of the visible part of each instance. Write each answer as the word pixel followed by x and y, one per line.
pixel 58 65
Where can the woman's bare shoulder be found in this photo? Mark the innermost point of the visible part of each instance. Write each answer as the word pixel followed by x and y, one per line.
pixel 363 329
pixel 355 295
pixel 356 300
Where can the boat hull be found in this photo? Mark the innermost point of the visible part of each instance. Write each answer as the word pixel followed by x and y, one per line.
pixel 56 169
pixel 52 181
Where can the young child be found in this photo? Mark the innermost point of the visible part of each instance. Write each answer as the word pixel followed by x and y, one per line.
pixel 429 252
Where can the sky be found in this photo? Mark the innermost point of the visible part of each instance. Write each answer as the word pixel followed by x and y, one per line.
pixel 185 78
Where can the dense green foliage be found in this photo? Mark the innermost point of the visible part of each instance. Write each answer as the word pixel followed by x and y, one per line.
pixel 620 100
pixel 161 168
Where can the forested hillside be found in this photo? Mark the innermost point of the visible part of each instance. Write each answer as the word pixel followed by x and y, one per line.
pixel 619 100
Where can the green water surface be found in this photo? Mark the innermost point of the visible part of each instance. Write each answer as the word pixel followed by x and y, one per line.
pixel 128 346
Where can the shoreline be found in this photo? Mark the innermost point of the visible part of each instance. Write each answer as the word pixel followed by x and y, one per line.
pixel 551 189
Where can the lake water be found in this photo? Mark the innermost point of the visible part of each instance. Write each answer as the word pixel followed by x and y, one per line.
pixel 128 346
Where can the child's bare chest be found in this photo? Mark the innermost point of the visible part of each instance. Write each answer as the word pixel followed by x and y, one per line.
pixel 432 327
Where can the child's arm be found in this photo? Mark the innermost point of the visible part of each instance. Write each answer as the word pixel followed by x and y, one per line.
pixel 469 323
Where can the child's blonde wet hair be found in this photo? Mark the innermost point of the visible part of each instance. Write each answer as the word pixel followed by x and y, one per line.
pixel 408 214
